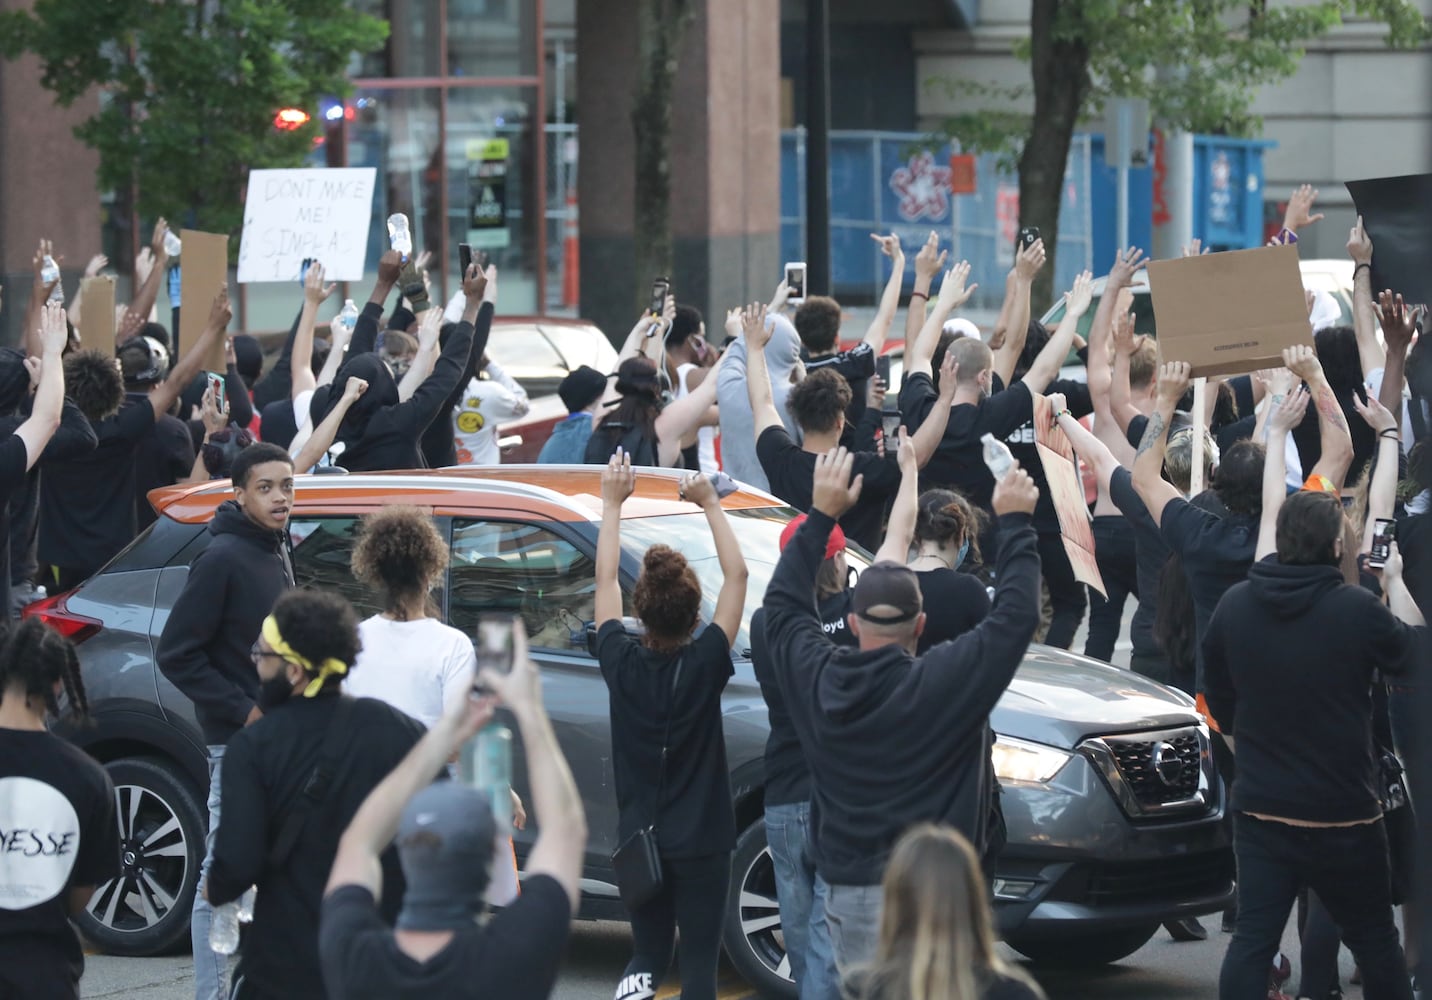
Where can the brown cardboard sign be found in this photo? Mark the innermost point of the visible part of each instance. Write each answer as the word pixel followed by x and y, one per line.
pixel 97 314
pixel 1232 312
pixel 206 268
pixel 1066 489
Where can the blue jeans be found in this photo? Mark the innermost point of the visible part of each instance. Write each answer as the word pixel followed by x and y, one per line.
pixel 208 966
pixel 852 914
pixel 802 905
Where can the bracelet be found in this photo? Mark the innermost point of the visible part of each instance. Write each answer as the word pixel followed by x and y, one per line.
pixel 1390 432
pixel 1359 268
pixel 923 295
pixel 1064 413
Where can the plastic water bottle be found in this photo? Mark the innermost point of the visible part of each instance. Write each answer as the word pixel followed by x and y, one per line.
pixel 176 284
pixel 348 316
pixel 172 244
pixel 224 929
pixel 997 456
pixel 486 765
pixel 246 904
pixel 50 271
pixel 400 238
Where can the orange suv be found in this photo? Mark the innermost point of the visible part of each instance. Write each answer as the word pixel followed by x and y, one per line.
pixel 1103 847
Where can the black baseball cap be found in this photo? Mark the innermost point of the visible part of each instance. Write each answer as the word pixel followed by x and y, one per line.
pixel 887 593
pixel 580 389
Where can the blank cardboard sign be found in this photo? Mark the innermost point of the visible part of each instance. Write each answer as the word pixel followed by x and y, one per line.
pixel 97 314
pixel 1232 312
pixel 1394 212
pixel 206 268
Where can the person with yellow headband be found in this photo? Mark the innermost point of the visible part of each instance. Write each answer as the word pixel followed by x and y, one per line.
pixel 292 781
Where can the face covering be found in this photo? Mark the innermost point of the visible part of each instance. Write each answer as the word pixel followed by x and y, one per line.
pixel 274 691
pixel 964 551
pixel 445 844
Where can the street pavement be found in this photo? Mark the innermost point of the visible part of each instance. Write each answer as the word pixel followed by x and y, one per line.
pixel 598 952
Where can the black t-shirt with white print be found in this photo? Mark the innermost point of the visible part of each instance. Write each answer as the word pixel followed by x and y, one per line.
pixel 57 832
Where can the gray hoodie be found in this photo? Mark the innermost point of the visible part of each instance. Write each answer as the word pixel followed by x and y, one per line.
pixel 738 425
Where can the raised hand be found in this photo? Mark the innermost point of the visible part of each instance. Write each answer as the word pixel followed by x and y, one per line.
pixel 875 394
pixel 129 326
pixel 905 456
pixel 1174 377
pixel 754 328
pixel 314 291
pixel 1124 340
pixel 931 259
pixel 1399 321
pixel 215 420
pixel 474 282
pixel 1194 248
pixel 430 329
pixel 354 388
pixel 1126 264
pixel 390 267
pixel 1079 297
pixel 696 488
pixel 1029 260
pixel 54 334
pixel 1277 381
pixel 778 300
pixel 1058 402
pixel 489 294
pixel 1303 362
pixel 890 247
pixel 220 313
pixel 949 372
pixel 833 491
pixel 1359 244
pixel 96 264
pixel 1015 493
pixel 1377 416
pixel 156 242
pixel 953 292
pixel 1289 413
pixel 618 479
pixel 1300 204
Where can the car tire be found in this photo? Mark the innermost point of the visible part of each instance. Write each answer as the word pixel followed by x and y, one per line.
pixel 753 920
pixel 145 910
pixel 1084 951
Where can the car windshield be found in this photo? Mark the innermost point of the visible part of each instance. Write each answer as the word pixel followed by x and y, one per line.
pixel 757 531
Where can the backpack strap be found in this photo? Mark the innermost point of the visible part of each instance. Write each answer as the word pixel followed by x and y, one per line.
pixel 316 788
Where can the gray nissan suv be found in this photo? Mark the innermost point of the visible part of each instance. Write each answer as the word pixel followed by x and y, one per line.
pixel 1114 810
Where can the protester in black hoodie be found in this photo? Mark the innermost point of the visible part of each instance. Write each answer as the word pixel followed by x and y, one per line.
pixel 302 654
pixel 381 431
pixel 205 648
pixel 893 739
pixel 1294 642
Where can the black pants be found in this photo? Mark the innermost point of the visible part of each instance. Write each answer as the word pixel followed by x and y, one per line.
pixel 1066 594
pixel 693 898
pixel 1349 870
pixel 1118 565
pixel 1319 945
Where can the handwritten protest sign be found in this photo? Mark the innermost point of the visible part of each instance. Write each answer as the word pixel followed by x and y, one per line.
pixel 293 214
pixel 206 268
pixel 1232 312
pixel 1067 491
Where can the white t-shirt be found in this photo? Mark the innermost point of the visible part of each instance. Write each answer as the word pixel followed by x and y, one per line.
pixel 418 667
pixel 706 436
pixel 485 405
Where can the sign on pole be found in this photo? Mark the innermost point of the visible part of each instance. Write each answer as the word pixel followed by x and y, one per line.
pixel 323 213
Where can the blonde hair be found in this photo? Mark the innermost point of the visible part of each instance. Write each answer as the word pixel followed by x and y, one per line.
pixel 936 935
pixel 1178 459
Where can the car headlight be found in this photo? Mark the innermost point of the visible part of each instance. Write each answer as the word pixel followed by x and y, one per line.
pixel 1020 760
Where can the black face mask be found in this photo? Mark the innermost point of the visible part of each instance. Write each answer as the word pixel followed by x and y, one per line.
pixel 274 691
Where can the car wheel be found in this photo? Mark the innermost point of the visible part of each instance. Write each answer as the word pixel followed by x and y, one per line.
pixel 753 919
pixel 145 909
pixel 1084 951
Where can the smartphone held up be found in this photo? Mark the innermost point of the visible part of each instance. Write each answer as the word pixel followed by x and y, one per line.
pixel 796 282
pixel 1384 531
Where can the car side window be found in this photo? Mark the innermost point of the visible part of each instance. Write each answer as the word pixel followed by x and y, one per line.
pixel 322 552
pixel 506 567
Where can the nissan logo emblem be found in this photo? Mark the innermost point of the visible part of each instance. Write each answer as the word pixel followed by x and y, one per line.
pixel 1168 765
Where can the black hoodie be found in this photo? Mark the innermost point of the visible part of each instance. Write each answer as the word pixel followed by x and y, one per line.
pixel 893 740
pixel 205 648
pixel 1289 659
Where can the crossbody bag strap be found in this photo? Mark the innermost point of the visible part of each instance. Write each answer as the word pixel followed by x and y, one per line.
pixel 666 738
pixel 315 789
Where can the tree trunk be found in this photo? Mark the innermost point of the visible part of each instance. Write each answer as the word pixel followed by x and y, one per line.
pixel 661 25
pixel 1059 64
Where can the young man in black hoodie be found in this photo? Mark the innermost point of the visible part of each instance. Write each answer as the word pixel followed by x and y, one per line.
pixel 1289 660
pixel 205 648
pixel 892 739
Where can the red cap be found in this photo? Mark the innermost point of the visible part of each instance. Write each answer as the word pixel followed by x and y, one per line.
pixel 836 542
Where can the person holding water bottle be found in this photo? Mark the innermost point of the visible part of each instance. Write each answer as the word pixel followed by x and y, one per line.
pixel 290 784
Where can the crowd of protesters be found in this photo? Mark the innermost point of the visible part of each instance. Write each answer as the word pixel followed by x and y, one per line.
pixel 1254 594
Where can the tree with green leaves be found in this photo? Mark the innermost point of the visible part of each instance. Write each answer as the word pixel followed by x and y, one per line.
pixel 189 90
pixel 1197 62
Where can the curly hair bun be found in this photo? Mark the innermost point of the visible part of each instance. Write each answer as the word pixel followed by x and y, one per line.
pixel 667 598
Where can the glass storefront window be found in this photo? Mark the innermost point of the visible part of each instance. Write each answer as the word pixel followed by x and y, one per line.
pixel 492 38
pixel 414 46
pixel 492 205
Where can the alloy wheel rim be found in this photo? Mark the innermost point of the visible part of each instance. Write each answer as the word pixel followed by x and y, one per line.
pixel 760 915
pixel 154 864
